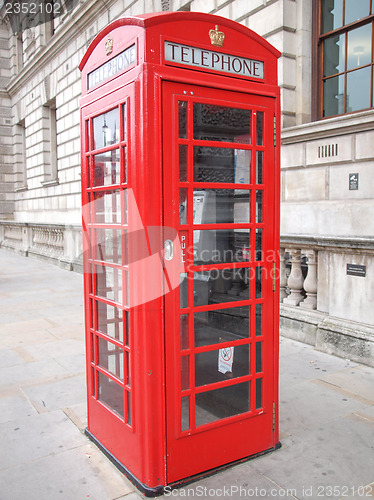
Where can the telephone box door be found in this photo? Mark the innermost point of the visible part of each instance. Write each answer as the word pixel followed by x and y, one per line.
pixel 221 349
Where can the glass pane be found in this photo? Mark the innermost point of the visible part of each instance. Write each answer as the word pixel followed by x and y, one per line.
pixel 220 286
pixel 333 96
pixel 107 207
pixel 258 393
pixel 258 357
pixel 258 320
pixel 185 411
pixel 106 129
pixel 106 168
pixel 182 119
pixel 111 358
pixel 184 331
pixel 128 369
pixel 88 136
pixel 108 245
pixel 331 15
pixel 259 170
pixel 183 290
pixel 259 254
pixel 260 128
pixel 109 283
pixel 221 246
pixel 220 206
pixel 259 206
pixel 185 373
pixel 355 10
pixel 218 123
pixel 109 321
pixel 334 55
pixel 183 206
pixel 221 364
pixel 221 325
pixel 111 394
pixel 124 117
pixel 124 163
pixel 358 90
pixel 258 274
pixel 359 47
pixel 221 403
pixel 128 400
pixel 183 163
pixel 221 165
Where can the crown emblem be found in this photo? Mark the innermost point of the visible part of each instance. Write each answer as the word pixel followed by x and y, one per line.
pixel 109 46
pixel 217 37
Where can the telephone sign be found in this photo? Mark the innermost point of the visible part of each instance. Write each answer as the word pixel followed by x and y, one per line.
pixel 180 192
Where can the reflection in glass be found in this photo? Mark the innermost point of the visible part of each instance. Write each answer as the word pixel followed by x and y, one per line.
pixel 183 206
pixel 111 358
pixel 258 393
pixel 106 129
pixel 183 290
pixel 358 89
pixel 109 283
pixel 259 254
pixel 106 168
pixel 108 245
pixel 128 399
pixel 107 207
pixel 334 55
pixel 259 169
pixel 221 325
pixel 258 272
pixel 331 15
pixel 183 163
pixel 259 206
pixel 109 321
pixel 220 206
pixel 220 286
pixel 213 164
pixel 359 47
pixel 260 128
pixel 124 118
pixel 333 96
pixel 185 372
pixel 184 331
pixel 182 119
pixel 219 123
pixel 222 403
pixel 258 357
pixel 111 394
pixel 185 413
pixel 209 371
pixel 221 246
pixel 355 10
pixel 258 320
pixel 128 369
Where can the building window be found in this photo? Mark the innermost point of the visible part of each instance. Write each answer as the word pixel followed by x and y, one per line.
pixel 20 163
pixel 345 42
pixel 50 143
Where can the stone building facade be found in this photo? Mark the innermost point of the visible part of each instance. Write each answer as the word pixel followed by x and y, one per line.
pixel 327 273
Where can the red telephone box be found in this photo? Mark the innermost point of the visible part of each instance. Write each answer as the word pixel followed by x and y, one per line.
pixel 180 188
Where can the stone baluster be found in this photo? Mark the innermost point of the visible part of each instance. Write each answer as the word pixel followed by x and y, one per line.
pixel 295 279
pixel 282 276
pixel 310 283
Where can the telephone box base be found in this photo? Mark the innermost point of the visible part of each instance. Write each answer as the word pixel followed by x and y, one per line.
pixel 159 490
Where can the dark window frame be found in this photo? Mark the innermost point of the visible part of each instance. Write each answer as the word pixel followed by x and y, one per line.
pixel 318 63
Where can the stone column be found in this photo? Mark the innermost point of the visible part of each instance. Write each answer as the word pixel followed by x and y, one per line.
pixel 282 276
pixel 310 283
pixel 295 279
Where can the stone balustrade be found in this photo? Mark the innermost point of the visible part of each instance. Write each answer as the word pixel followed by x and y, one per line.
pixel 58 243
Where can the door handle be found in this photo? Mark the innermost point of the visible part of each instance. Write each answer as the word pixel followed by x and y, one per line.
pixel 168 250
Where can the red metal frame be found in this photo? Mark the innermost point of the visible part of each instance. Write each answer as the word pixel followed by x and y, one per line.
pixel 146 439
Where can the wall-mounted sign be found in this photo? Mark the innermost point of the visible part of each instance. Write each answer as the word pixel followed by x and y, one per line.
pixel 356 270
pixel 353 182
pixel 113 66
pixel 211 60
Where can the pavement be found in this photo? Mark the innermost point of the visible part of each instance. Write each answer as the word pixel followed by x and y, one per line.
pixel 326 409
